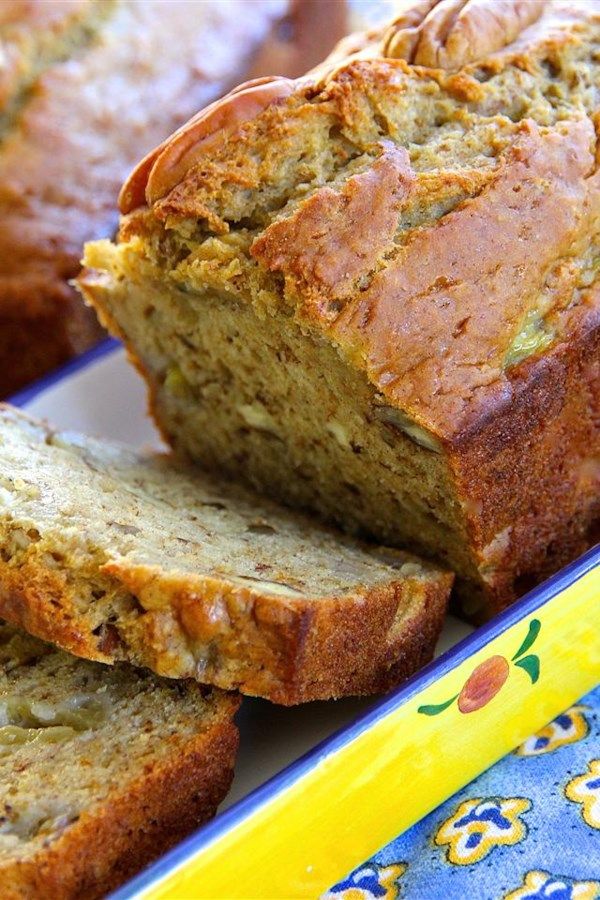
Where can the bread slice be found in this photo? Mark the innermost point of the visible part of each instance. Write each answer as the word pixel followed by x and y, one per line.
pixel 375 292
pixel 117 555
pixel 102 768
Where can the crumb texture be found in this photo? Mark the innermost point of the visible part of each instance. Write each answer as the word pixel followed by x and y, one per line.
pixel 79 743
pixel 408 242
pixel 119 555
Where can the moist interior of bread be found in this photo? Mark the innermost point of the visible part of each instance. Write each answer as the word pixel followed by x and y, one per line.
pixel 72 505
pixel 348 452
pixel 73 732
pixel 199 310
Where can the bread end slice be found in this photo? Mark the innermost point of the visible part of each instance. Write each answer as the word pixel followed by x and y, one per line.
pixel 115 555
pixel 103 768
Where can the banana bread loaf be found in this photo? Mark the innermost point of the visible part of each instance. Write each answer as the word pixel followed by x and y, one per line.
pixel 102 768
pixel 116 555
pixel 375 291
pixel 72 73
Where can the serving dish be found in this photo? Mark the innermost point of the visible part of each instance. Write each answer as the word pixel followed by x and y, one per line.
pixel 319 788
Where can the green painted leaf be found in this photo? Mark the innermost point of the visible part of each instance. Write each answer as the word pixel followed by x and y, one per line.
pixel 531 664
pixel 534 630
pixel 434 710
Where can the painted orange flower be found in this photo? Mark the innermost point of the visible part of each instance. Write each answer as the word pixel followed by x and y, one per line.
pixel 488 678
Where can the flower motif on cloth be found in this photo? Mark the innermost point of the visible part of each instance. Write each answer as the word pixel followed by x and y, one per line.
pixel 480 825
pixel 543 886
pixel 585 789
pixel 555 853
pixel 568 728
pixel 370 882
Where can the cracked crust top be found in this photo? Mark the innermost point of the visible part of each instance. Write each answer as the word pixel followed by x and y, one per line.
pixel 463 134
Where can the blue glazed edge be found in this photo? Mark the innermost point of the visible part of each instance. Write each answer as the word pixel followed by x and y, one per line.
pixel 26 395
pixel 257 798
pixel 248 805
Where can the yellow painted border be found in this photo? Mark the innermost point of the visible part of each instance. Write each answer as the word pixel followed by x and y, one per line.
pixel 357 799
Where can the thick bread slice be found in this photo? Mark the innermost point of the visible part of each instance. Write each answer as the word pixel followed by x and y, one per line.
pixel 101 768
pixel 117 555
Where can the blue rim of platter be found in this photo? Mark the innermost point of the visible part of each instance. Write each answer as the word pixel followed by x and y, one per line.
pixel 29 393
pixel 293 772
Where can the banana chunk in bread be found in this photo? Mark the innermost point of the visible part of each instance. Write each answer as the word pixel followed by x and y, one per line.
pixel 117 555
pixel 102 768
pixel 375 291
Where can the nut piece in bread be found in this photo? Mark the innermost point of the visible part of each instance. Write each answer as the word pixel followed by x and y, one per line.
pixel 116 555
pixel 397 264
pixel 103 768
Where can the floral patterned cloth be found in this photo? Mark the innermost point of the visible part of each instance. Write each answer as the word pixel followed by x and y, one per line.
pixel 527 829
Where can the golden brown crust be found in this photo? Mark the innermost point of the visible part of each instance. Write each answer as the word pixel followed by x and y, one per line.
pixel 289 650
pixel 525 522
pixel 394 645
pixel 115 839
pixel 427 342
pixel 335 236
pixel 163 168
pixel 424 337
pixel 446 363
pixel 448 35
pixel 492 236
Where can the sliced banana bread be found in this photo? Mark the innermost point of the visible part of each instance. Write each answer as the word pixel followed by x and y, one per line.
pixel 102 768
pixel 375 291
pixel 117 555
